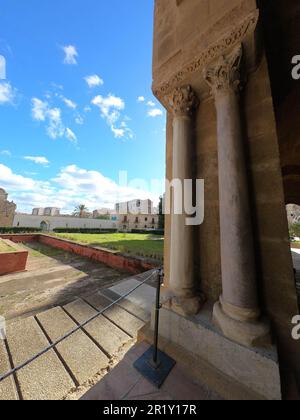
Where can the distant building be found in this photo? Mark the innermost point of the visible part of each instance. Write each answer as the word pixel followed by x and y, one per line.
pixel 137 214
pixel 135 207
pixel 102 212
pixel 48 211
pixel 38 212
pixel 7 210
pixel 129 222
pixel 293 213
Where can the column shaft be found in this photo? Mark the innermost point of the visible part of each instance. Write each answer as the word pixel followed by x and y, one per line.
pixel 183 103
pixel 237 313
pixel 182 273
pixel 237 248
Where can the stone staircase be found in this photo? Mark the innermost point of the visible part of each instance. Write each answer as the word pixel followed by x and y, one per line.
pixel 80 360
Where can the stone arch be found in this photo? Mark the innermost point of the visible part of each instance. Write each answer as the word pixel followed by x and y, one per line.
pixel 45 226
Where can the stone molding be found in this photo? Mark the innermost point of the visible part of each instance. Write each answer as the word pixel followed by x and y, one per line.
pixel 230 39
pixel 183 101
pixel 223 75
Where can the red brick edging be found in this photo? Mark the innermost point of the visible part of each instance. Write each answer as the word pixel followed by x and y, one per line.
pixel 110 258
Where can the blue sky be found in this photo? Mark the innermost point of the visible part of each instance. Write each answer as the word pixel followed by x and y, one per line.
pixel 76 106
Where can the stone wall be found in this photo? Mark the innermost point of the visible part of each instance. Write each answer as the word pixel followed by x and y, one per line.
pixel 189 34
pixel 7 210
pixel 52 222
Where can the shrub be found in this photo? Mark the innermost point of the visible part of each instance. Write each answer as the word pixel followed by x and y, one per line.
pixel 159 232
pixel 294 229
pixel 9 230
pixel 84 230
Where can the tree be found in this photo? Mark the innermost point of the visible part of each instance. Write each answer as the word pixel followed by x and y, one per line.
pixel 80 211
pixel 161 217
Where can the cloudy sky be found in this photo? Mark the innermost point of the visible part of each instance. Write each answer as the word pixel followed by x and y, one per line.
pixel 76 106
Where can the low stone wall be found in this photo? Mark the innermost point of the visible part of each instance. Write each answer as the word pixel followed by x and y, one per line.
pixel 13 262
pixel 295 245
pixel 110 258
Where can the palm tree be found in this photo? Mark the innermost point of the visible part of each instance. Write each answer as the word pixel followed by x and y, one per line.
pixel 80 211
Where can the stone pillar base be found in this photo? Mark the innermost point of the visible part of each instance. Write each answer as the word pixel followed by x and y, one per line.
pixel 186 306
pixel 232 370
pixel 247 333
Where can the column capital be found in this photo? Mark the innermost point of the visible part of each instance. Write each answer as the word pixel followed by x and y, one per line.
pixel 183 101
pixel 223 75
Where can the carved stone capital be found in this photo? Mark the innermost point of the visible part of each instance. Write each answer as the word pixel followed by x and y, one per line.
pixel 223 75
pixel 183 101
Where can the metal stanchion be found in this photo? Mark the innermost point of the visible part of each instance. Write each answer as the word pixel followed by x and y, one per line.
pixel 154 364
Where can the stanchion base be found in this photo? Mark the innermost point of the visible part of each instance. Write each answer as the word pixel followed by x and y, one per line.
pixel 156 375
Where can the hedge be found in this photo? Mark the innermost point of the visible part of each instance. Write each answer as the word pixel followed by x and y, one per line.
pixel 295 229
pixel 158 232
pixel 9 230
pixel 84 230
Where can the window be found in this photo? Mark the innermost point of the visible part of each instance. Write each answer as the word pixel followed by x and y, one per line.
pixel 146 219
pixel 136 220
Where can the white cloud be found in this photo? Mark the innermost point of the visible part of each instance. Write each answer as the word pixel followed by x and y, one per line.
pixel 55 128
pixel 155 113
pixel 110 109
pixel 141 99
pixel 71 135
pixel 5 153
pixel 69 103
pixel 39 109
pixel 39 160
pixel 79 119
pixel 94 81
pixel 7 93
pixel 71 186
pixel 70 54
pixel 150 103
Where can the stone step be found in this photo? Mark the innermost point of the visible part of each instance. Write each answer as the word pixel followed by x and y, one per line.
pixel 79 353
pixel 126 304
pixel 8 390
pixel 44 379
pixel 109 337
pixel 143 297
pixel 123 319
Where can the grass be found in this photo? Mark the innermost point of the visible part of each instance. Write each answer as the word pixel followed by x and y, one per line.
pixel 4 247
pixel 129 243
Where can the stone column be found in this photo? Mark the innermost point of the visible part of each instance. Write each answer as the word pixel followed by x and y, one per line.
pixel 237 313
pixel 182 103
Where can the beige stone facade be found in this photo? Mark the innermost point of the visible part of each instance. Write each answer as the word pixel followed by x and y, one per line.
pixel 239 144
pixel 129 222
pixel 7 210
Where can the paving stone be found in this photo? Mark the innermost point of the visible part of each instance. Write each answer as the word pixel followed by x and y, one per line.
pixel 138 311
pixel 129 323
pixel 46 377
pixel 115 385
pixel 78 351
pixel 8 389
pixel 143 297
pixel 106 334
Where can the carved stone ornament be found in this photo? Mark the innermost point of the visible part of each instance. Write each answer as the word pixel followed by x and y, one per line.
pixel 223 75
pixel 183 101
pixel 230 39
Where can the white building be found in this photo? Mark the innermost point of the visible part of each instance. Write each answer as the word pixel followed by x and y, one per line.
pixel 135 207
pixel 48 211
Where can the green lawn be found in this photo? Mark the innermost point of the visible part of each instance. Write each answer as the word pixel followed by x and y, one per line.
pixel 5 248
pixel 129 243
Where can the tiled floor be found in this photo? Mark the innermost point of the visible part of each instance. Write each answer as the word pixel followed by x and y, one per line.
pixel 125 383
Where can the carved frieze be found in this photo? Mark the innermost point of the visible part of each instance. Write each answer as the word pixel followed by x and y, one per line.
pixel 236 36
